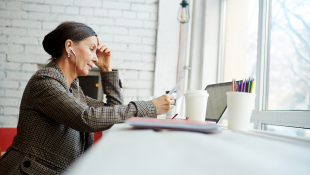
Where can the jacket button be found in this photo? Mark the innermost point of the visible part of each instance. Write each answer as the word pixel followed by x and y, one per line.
pixel 27 164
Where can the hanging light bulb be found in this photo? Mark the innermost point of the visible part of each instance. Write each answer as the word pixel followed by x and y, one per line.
pixel 183 15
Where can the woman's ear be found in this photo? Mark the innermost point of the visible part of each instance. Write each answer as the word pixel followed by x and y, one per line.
pixel 68 44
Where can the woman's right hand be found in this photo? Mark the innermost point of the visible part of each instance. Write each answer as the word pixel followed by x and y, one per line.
pixel 104 57
pixel 164 104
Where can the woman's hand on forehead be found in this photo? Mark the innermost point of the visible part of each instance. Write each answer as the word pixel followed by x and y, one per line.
pixel 104 57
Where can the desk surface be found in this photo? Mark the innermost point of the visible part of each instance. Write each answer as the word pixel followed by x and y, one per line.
pixel 124 150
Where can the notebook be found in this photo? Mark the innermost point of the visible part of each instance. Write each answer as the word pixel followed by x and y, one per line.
pixel 180 125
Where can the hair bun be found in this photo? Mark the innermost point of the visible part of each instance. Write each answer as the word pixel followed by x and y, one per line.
pixel 52 44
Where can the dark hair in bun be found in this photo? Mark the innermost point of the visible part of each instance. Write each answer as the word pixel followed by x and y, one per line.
pixel 54 42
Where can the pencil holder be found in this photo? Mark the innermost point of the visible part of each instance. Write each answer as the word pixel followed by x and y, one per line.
pixel 239 110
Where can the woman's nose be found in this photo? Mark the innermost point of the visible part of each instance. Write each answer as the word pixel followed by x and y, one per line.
pixel 95 58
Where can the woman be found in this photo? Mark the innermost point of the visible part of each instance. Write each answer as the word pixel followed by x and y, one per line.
pixel 56 120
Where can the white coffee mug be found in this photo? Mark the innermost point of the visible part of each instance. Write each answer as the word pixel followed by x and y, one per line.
pixel 196 104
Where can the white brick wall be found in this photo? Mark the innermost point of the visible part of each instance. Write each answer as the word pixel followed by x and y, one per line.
pixel 101 12
pixel 9 102
pixel 129 14
pixel 58 9
pixel 115 13
pixel 13 5
pixel 117 5
pixel 12 31
pixel 128 27
pixel 87 11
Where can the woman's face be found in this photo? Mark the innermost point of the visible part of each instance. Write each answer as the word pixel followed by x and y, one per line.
pixel 85 52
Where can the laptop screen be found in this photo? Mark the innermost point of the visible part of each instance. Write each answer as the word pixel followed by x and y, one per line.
pixel 217 100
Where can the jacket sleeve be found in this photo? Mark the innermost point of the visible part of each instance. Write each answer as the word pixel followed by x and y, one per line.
pixel 51 98
pixel 111 85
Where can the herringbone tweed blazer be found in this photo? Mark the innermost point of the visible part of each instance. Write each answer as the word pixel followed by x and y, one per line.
pixel 55 124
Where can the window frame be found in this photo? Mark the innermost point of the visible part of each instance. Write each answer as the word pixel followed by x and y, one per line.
pixel 260 115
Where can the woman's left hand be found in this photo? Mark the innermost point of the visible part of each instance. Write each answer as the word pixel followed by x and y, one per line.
pixel 104 58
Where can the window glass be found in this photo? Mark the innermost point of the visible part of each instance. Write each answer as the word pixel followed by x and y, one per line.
pixel 240 43
pixel 289 64
pixel 287 130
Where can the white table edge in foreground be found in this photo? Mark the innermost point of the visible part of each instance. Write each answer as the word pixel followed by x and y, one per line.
pixel 124 150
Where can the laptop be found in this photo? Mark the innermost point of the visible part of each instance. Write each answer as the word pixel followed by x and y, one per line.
pixel 217 101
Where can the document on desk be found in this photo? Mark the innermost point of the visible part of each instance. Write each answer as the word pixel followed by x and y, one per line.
pixel 180 125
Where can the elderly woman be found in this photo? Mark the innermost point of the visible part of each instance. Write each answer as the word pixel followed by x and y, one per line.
pixel 56 119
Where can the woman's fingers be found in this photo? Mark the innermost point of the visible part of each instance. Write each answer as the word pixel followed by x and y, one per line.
pixel 170 99
pixel 99 46
pixel 107 50
pixel 171 104
pixel 103 48
pixel 104 55
pixel 164 103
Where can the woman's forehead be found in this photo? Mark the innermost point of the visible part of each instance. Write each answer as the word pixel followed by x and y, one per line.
pixel 91 40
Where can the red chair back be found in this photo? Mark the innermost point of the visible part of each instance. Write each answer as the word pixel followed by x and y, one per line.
pixel 97 136
pixel 6 138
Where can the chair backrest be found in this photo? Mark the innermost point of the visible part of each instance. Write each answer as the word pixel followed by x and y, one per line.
pixel 6 138
pixel 97 136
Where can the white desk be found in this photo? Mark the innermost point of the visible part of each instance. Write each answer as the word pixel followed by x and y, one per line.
pixel 126 151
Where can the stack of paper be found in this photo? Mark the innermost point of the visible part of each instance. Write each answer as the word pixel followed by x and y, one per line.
pixel 181 125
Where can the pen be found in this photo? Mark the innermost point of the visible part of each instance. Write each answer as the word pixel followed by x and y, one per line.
pixel 244 86
pixel 249 87
pixel 174 116
pixel 175 87
pixel 252 84
pixel 237 86
pixel 233 85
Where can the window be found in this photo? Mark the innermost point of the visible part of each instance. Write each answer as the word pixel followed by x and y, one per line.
pixel 269 40
pixel 289 60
